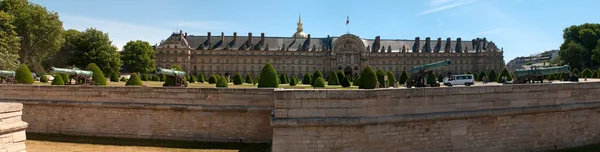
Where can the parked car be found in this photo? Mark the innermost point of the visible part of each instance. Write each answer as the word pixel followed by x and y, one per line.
pixel 463 79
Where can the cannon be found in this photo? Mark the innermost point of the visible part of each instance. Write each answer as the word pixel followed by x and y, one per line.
pixel 535 73
pixel 179 76
pixel 419 73
pixel 81 76
pixel 7 77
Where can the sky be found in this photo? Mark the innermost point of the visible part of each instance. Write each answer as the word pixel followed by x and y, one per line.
pixel 520 27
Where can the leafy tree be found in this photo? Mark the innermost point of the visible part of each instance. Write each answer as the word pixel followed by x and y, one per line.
pixel 58 80
pixel 315 75
pixel 222 82
pixel 482 74
pixel 380 77
pixel 356 81
pixel 294 81
pixel 66 79
pixel 138 56
pixel 492 76
pixel 319 82
pixel 268 77
pixel 98 76
pixel 201 78
pixel 431 78
pixel 114 77
pixel 237 79
pixel 306 78
pixel 368 79
pixel 346 81
pixel 340 75
pixel 94 46
pixel 403 77
pixel 64 57
pixel 44 79
pixel 586 73
pixel 333 79
pixel 579 43
pixel 134 80
pixel 40 31
pixel 23 75
pixel 391 78
pixel 9 43
pixel 249 79
pixel 170 81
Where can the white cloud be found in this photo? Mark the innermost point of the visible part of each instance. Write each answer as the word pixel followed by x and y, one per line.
pixel 439 5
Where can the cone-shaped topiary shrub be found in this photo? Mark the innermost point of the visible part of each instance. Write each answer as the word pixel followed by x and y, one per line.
pixel 391 78
pixel 594 74
pixel 306 78
pixel 368 79
pixel 349 78
pixel 23 75
pixel 440 78
pixel 333 79
pixel 268 77
pixel 403 77
pixel 356 81
pixel 193 79
pixel 551 77
pixel 212 79
pixel 586 73
pixel 346 82
pixel 431 78
pixel 200 78
pixel 503 73
pixel 98 76
pixel 492 76
pixel 380 77
pixel 283 78
pixel 314 77
pixel 114 77
pixel 58 80
pixel 143 77
pixel 44 79
pixel 294 81
pixel 319 82
pixel 237 79
pixel 155 78
pixel 134 80
pixel 249 79
pixel 66 79
pixel 123 79
pixel 476 77
pixel 340 75
pixel 222 82
pixel 481 75
pixel 575 71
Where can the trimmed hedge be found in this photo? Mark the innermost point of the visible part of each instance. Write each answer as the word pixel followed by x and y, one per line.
pixel 212 79
pixel 346 81
pixel 155 78
pixel 476 76
pixel 594 74
pixel 294 81
pixel 403 77
pixel 222 82
pixel 503 73
pixel 58 80
pixel 237 79
pixel 340 76
pixel 23 75
pixel 333 79
pixel 380 77
pixel 319 82
pixel 44 79
pixel 66 79
pixel 268 77
pixel 193 79
pixel 98 76
pixel 114 77
pixel 482 74
pixel 349 78
pixel 575 71
pixel 492 76
pixel 249 79
pixel 283 78
pixel 200 78
pixel 391 78
pixel 134 80
pixel 306 78
pixel 368 79
pixel 314 77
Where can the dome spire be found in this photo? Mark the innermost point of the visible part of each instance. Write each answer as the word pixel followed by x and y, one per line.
pixel 299 31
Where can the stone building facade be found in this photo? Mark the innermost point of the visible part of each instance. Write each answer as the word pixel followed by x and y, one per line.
pixel 302 53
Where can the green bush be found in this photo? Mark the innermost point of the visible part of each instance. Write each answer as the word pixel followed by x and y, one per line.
pixel 306 78
pixel 134 80
pixel 162 77
pixel 98 76
pixel 123 79
pixel 114 77
pixel 319 82
pixel 403 77
pixel 201 78
pixel 476 77
pixel 268 77
pixel 380 77
pixel 440 78
pixel 58 80
pixel 346 81
pixel 23 75
pixel 575 71
pixel 255 81
pixel 143 77
pixel 314 77
pixel 237 79
pixel 340 75
pixel 170 81
pixel 193 79
pixel 586 73
pixel 503 73
pixel 349 78
pixel 482 74
pixel 186 78
pixel 492 76
pixel 44 79
pixel 333 79
pixel 212 79
pixel 431 78
pixel 222 82
pixel 594 74
pixel 283 78
pixel 356 81
pixel 391 78
pixel 368 79
pixel 294 81
pixel 66 79
pixel 551 77
pixel 249 79
pixel 155 78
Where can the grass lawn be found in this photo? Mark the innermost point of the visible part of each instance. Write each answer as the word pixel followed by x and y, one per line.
pixel 65 143
pixel 206 85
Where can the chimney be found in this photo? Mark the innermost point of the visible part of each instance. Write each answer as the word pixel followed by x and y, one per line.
pixel 377 42
pixel 208 34
pixel 223 36
pixel 249 38
pixel 180 31
pixel 308 36
pixel 185 34
pixel 262 37
pixel 234 36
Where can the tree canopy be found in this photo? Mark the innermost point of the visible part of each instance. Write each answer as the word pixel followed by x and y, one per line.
pixel 9 43
pixel 94 46
pixel 138 56
pixel 581 45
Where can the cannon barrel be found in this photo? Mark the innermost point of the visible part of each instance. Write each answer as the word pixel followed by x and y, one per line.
pixel 74 71
pixel 170 72
pixel 7 73
pixel 542 71
pixel 431 66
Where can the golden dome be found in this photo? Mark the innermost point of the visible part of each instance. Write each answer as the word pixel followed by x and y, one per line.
pixel 299 31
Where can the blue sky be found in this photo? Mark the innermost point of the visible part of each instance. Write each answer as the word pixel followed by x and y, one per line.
pixel 521 27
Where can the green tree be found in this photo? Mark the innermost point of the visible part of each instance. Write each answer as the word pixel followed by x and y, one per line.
pixel 155 78
pixel 114 77
pixel 356 81
pixel 40 31
pixel 249 79
pixel 306 78
pixel 44 79
pixel 98 76
pixel 403 77
pixel 340 75
pixel 222 82
pixel 319 82
pixel 368 79
pixel 134 80
pixel 138 56
pixel 201 78
pixel 476 76
pixel 64 57
pixel 315 75
pixel 23 75
pixel 492 76
pixel 268 77
pixel 58 80
pixel 9 43
pixel 380 77
pixel 170 81
pixel 123 79
pixel 346 81
pixel 391 78
pixel 237 79
pixel 94 46
pixel 579 42
pixel 333 79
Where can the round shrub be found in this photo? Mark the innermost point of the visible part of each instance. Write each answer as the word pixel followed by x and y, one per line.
pixel 144 77
pixel 98 76
pixel 221 82
pixel 200 78
pixel 212 79
pixel 314 77
pixel 162 77
pixel 237 79
pixel 306 78
pixel 356 81
pixel 58 80
pixel 368 79
pixel 403 77
pixel 44 79
pixel 66 79
pixel 23 75
pixel 268 77
pixel 380 77
pixel 333 79
pixel 319 82
pixel 346 82
pixel 114 77
pixel 123 79
pixel 340 75
pixel 134 80
pixel 391 78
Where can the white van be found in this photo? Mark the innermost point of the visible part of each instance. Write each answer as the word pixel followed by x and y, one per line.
pixel 463 79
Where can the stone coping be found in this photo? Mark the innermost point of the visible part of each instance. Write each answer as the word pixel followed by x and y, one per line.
pixel 358 121
pixel 122 105
pixel 12 127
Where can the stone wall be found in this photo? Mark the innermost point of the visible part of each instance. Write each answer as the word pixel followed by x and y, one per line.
pixel 12 128
pixel 535 117
pixel 146 112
